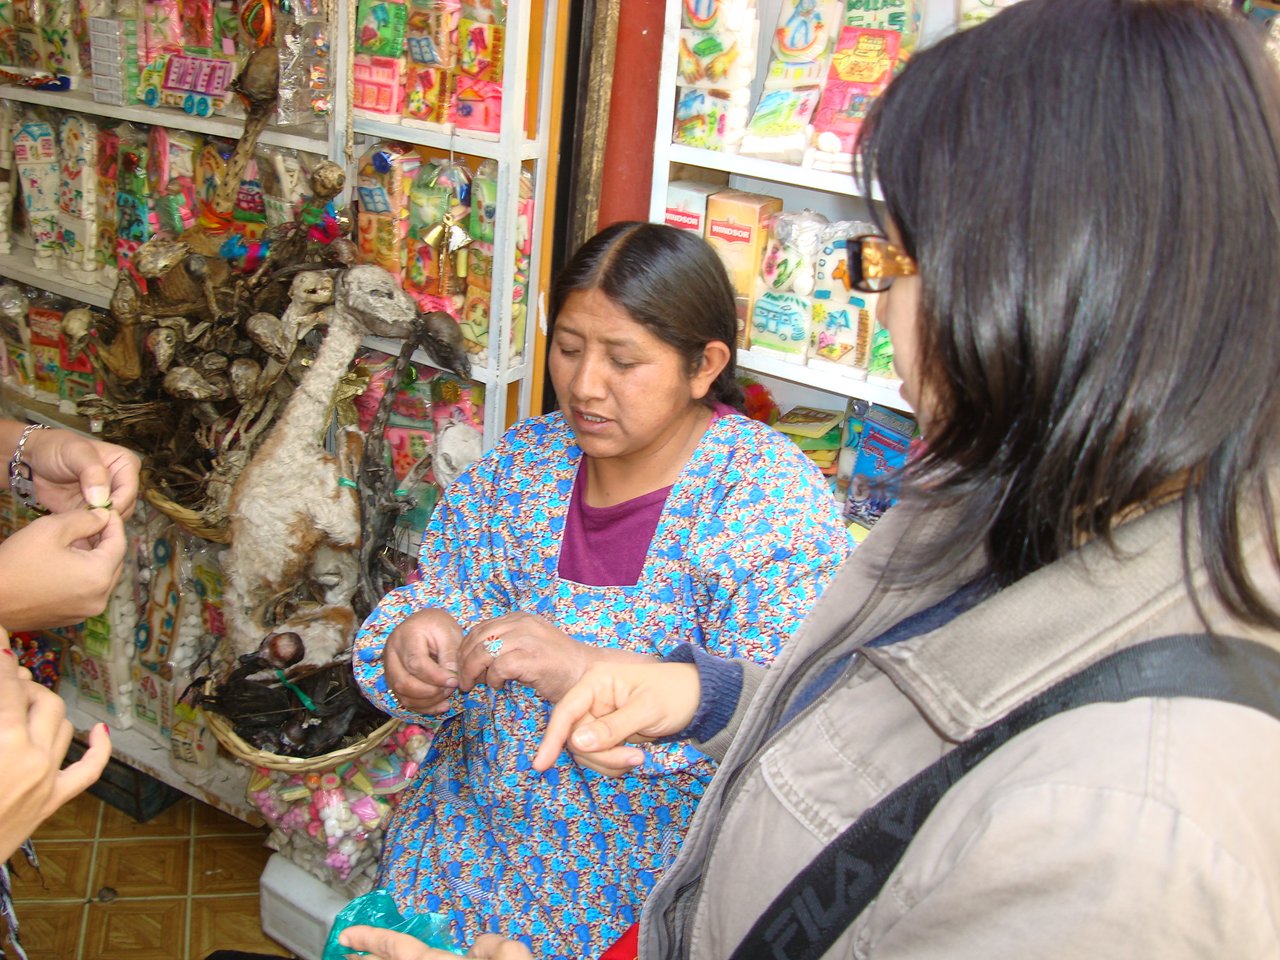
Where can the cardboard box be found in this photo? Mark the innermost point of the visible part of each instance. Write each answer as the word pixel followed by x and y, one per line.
pixel 687 204
pixel 736 231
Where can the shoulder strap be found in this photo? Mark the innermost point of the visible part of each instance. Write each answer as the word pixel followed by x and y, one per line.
pixel 814 909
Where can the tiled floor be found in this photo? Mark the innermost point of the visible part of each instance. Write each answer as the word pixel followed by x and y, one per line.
pixel 177 887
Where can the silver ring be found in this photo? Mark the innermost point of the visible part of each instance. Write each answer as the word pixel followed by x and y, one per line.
pixel 394 699
pixel 493 646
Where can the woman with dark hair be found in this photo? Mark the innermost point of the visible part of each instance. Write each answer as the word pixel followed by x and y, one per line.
pixel 1083 210
pixel 647 516
pixel 1082 206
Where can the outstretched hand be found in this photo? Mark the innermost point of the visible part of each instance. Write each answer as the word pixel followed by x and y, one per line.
pixel 529 649
pixel 617 703
pixel 34 736
pixel 388 945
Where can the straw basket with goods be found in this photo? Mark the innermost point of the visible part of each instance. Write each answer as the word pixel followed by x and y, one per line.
pixel 299 724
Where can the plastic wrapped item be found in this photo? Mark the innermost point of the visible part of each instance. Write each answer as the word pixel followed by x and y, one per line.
pixel 330 822
pixel 16 336
pixel 35 152
pixel 711 119
pixel 306 80
pixel 431 33
pixel 862 65
pixel 782 314
pixel 171 162
pixel 377 908
pixel 970 13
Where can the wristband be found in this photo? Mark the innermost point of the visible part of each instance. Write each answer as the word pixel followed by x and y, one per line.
pixel 20 478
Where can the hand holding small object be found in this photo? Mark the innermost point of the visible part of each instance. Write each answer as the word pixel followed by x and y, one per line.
pixel 421 660
pixel 69 471
pixel 60 569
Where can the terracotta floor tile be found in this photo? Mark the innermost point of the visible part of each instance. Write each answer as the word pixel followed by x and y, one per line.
pixel 228 923
pixel 64 872
pixel 210 821
pixel 77 820
pixel 136 930
pixel 142 868
pixel 50 931
pixel 228 864
pixel 174 821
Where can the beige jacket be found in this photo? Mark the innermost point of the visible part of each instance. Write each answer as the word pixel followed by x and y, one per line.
pixel 1148 829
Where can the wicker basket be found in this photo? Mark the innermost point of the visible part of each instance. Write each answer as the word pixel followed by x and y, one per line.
pixel 185 517
pixel 241 750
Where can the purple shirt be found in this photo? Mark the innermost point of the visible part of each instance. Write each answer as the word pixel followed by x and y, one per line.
pixel 607 546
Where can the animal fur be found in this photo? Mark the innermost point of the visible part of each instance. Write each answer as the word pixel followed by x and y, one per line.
pixel 295 530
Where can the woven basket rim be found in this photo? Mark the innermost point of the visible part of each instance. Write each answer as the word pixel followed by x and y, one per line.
pixel 185 517
pixel 240 748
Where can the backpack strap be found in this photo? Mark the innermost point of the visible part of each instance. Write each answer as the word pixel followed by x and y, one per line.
pixel 815 908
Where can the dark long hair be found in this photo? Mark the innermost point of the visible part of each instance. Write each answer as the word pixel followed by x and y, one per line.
pixel 1091 191
pixel 670 281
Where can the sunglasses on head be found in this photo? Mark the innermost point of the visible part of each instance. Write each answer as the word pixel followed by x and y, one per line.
pixel 874 263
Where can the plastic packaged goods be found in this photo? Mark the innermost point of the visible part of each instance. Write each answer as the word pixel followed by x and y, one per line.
pixel 972 12
pixel 782 312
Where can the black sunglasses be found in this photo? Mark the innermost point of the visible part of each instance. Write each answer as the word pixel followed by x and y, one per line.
pixel 874 263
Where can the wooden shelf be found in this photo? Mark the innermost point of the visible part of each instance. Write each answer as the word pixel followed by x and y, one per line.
pixel 226 790
pixel 81 101
pixel 20 266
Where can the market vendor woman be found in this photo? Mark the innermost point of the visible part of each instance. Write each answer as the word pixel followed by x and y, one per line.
pixel 645 514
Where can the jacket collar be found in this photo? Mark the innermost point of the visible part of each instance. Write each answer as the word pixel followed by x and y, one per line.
pixel 1052 623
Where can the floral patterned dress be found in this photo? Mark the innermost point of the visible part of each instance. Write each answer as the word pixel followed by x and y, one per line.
pixel 748 538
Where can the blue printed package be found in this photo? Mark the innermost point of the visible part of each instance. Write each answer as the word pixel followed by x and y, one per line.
pixel 882 452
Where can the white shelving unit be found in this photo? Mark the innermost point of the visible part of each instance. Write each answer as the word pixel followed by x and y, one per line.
pixel 514 150
pixel 510 364
pixel 226 788
pixel 837 195
pixel 20 266
pixel 307 139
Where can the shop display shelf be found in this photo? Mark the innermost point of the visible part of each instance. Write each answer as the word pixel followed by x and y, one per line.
pixel 226 789
pixel 482 147
pixel 822 376
pixel 20 266
pixel 843 184
pixel 81 101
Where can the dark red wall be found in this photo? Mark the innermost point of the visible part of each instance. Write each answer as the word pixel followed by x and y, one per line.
pixel 628 166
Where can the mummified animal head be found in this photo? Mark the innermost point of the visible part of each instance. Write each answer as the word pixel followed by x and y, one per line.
pixel 373 298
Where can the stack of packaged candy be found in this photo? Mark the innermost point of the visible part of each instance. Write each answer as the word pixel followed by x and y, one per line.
pixel 180 54
pixel 436 422
pixel 91 194
pixel 331 822
pixel 435 64
pixel 789 271
pixel 824 62
pixel 430 223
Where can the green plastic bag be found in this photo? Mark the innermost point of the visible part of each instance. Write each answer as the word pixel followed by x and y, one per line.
pixel 377 908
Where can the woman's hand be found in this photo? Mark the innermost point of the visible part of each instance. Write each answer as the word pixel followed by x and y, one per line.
pixel 34 736
pixel 615 703
pixel 72 472
pixel 528 649
pixel 60 569
pixel 421 660
pixel 389 945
